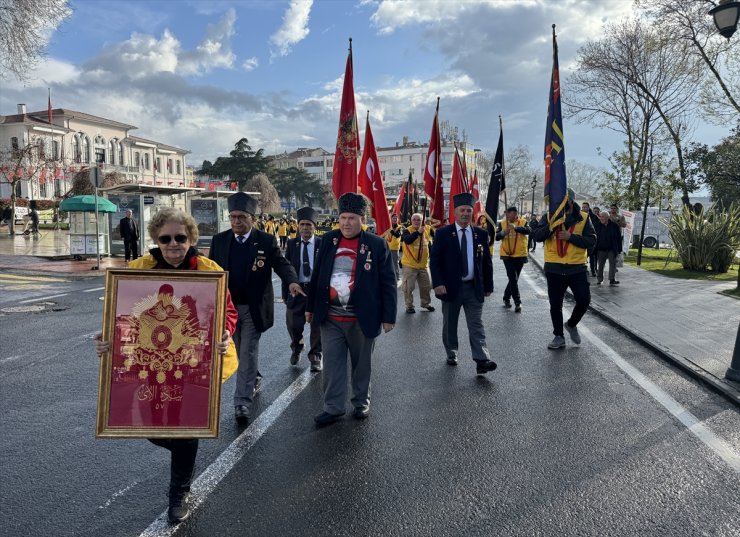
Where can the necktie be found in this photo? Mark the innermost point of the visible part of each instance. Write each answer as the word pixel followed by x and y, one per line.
pixel 306 264
pixel 240 239
pixel 464 249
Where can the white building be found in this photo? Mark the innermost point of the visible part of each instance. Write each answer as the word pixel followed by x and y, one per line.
pixel 318 162
pixel 76 140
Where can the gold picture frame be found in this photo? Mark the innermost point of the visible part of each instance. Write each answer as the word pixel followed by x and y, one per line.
pixel 162 375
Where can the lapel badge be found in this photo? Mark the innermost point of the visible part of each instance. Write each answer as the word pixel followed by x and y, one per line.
pixel 367 266
pixel 260 263
pixel 362 249
pixel 335 241
pixel 254 268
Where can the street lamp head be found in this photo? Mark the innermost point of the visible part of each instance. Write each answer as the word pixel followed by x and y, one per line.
pixel 726 16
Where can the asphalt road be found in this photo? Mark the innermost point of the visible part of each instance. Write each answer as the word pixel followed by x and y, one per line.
pixel 602 439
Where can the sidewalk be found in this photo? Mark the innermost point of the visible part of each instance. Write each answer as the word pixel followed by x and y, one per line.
pixel 687 322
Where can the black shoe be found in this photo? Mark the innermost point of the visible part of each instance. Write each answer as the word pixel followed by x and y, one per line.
pixel 518 307
pixel 295 357
pixel 593 273
pixel 507 303
pixel 316 364
pixel 451 360
pixel 361 412
pixel 257 386
pixel 428 308
pixel 613 282
pixel 241 413
pixel 178 509
pixel 324 419
pixel 410 310
pixel 484 367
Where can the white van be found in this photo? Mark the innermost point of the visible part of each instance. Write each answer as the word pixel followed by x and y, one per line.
pixel 656 228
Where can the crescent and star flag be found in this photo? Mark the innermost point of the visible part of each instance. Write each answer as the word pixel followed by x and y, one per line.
pixel 496 185
pixel 474 190
pixel 371 183
pixel 433 172
pixel 556 185
pixel 344 173
pixel 456 185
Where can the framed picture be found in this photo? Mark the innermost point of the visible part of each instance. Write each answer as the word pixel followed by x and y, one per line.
pixel 162 376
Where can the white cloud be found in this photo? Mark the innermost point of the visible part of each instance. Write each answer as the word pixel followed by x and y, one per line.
pixel 214 51
pixel 250 64
pixel 294 28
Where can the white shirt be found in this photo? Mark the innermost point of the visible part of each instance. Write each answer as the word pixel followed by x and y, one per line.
pixel 469 238
pixel 311 246
pixel 246 237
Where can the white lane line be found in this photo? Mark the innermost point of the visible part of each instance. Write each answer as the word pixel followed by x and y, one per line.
pixel 93 290
pixel 691 422
pixel 12 358
pixel 41 298
pixel 117 494
pixel 214 474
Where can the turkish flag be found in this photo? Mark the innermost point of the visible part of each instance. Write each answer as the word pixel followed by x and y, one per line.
pixel 475 191
pixel 344 172
pixel 456 186
pixel 433 172
pixel 371 183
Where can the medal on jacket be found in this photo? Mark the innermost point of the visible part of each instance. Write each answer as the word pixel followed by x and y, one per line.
pixel 335 241
pixel 368 261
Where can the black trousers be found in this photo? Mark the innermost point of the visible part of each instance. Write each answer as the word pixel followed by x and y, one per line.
pixel 130 249
pixel 513 267
pixel 295 319
pixel 531 243
pixel 592 262
pixel 556 286
pixel 182 463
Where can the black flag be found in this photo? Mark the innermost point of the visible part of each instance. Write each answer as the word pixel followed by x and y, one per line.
pixel 496 185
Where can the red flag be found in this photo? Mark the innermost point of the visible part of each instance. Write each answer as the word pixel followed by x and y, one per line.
pixel 399 201
pixel 456 186
pixel 344 173
pixel 474 190
pixel 371 183
pixel 433 172
pixel 48 111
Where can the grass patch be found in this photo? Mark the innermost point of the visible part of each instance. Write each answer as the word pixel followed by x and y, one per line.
pixel 734 293
pixel 62 225
pixel 664 262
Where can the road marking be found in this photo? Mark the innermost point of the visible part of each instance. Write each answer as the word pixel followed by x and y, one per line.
pixel 41 298
pixel 691 422
pixel 15 277
pixel 121 492
pixel 93 290
pixel 214 474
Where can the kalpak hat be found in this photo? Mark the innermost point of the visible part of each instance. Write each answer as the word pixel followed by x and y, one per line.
pixel 352 203
pixel 465 198
pixel 306 213
pixel 242 202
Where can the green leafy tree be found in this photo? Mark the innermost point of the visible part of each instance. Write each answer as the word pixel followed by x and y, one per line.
pixel 718 168
pixel 240 166
pixel 291 182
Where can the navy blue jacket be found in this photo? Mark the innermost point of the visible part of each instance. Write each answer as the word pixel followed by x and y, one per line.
pixel 293 254
pixel 445 262
pixel 374 294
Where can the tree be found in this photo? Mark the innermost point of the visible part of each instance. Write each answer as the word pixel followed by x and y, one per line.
pixel 241 165
pixel 290 182
pixel 24 29
pixel 269 198
pixel 81 184
pixel 690 22
pixel 519 166
pixel 718 168
pixel 584 178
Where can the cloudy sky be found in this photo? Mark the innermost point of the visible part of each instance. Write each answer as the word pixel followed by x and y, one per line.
pixel 202 74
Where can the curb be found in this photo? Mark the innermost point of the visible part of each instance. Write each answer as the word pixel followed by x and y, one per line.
pixel 715 384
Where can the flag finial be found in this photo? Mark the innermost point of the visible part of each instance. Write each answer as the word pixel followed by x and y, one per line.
pixel 350 42
pixel 437 104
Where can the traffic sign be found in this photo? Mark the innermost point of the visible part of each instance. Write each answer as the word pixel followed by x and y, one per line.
pixel 287 205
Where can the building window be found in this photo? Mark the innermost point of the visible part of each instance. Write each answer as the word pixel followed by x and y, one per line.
pixel 169 165
pixel 120 154
pixel 99 155
pixel 112 151
pixel 179 170
pixel 137 159
pixel 397 158
pixel 147 164
pixel 55 150
pixel 411 158
pixel 85 150
pixel 329 162
pixel 41 149
pixel 158 168
pixel 77 149
pixel 328 176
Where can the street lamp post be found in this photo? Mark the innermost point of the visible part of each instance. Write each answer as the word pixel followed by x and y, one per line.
pixel 726 16
pixel 534 186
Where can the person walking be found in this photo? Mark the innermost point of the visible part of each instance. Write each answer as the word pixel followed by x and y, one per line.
pixel 301 253
pixel 593 216
pixel 130 235
pixel 531 243
pixel 462 276
pixel 566 255
pixel 608 246
pixel 415 242
pixel 282 231
pixel 353 297
pixel 392 236
pixel 250 256
pixel 176 233
pixel 513 233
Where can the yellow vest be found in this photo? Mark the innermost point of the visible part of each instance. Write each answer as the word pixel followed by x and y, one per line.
pixel 293 231
pixel 394 243
pixel 574 255
pixel 410 256
pixel 270 227
pixel 231 362
pixel 282 230
pixel 514 244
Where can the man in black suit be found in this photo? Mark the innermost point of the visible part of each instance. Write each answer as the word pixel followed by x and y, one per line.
pixel 462 276
pixel 130 236
pixel 250 256
pixel 301 253
pixel 353 295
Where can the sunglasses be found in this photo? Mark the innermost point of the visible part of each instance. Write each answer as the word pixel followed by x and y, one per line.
pixel 166 239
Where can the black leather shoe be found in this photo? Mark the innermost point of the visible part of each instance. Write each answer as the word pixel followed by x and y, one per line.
pixel 178 509
pixel 324 419
pixel 428 308
pixel 361 412
pixel 241 413
pixel 484 367
pixel 451 360
pixel 507 303
pixel 316 365
pixel 518 307
pixel 295 357
pixel 410 310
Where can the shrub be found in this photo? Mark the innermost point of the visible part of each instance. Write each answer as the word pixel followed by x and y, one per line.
pixel 707 241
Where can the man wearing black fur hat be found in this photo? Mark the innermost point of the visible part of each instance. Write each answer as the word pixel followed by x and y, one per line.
pixel 462 276
pixel 353 296
pixel 301 253
pixel 250 256
pixel 566 254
